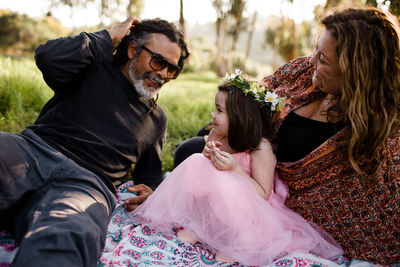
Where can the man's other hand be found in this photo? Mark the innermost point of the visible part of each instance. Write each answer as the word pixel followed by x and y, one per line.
pixel 143 192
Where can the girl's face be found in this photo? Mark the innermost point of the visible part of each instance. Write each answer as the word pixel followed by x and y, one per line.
pixel 327 75
pixel 219 115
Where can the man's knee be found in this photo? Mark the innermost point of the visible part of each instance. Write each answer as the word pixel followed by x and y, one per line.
pixel 65 238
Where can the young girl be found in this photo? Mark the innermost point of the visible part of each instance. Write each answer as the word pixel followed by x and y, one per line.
pixel 229 197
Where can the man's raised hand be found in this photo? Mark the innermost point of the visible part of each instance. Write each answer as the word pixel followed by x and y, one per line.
pixel 119 31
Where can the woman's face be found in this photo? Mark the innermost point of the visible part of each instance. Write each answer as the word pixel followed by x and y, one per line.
pixel 327 75
pixel 219 115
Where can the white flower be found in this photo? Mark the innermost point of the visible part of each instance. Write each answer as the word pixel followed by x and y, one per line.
pixel 254 88
pixel 238 72
pixel 271 97
pixel 227 77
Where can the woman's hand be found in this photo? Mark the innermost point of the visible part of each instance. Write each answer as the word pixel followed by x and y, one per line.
pixel 223 160
pixel 119 31
pixel 143 192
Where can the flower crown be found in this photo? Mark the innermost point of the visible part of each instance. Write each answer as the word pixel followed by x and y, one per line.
pixel 261 94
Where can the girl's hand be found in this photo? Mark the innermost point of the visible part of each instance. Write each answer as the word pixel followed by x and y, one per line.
pixel 210 145
pixel 223 160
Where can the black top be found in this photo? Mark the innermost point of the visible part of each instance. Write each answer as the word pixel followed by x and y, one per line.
pixel 298 136
pixel 96 117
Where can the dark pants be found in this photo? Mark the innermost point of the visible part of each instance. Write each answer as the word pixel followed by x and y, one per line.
pixel 57 210
pixel 191 146
pixel 187 148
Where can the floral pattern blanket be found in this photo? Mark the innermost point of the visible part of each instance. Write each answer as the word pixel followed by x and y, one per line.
pixel 129 244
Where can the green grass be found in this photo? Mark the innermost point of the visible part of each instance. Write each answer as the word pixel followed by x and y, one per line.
pixel 22 93
pixel 187 101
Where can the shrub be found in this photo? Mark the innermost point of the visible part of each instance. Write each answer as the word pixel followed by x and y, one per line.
pixel 20 34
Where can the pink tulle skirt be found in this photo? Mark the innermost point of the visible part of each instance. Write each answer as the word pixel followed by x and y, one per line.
pixel 229 216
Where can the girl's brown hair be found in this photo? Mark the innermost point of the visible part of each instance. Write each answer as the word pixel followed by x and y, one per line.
pixel 248 122
pixel 368 47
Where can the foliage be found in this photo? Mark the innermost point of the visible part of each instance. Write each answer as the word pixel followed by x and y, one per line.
pixel 236 11
pixel 108 9
pixel 22 93
pixel 229 22
pixel 203 58
pixel 21 34
pixel 201 52
pixel 249 67
pixel 287 38
pixel 188 102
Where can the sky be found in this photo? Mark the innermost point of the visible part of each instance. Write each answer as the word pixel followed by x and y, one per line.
pixel 195 11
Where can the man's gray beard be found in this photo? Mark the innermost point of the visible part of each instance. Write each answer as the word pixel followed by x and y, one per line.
pixel 138 83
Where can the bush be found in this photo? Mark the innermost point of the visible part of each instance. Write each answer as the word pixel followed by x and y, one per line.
pixel 20 34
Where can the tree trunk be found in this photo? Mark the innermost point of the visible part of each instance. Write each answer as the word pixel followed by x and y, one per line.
pixel 250 36
pixel 182 20
pixel 134 8
pixel 219 57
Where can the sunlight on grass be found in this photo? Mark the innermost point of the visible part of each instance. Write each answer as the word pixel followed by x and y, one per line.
pixel 22 93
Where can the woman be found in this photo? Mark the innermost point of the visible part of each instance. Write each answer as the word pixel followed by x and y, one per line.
pixel 338 134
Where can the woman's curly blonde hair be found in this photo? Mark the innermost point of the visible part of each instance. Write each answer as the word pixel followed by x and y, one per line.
pixel 368 47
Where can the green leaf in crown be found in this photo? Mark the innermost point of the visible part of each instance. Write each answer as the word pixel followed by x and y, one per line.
pixel 261 94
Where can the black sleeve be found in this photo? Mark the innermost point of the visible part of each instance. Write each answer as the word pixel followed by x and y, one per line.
pixel 148 169
pixel 64 60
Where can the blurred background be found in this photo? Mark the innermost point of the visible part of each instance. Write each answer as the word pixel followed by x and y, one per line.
pixel 256 36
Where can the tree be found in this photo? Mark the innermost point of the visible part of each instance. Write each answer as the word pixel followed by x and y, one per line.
pixel 109 9
pixel 221 8
pixel 21 34
pixel 279 36
pixel 236 11
pixel 250 35
pixel 182 20
pixel 134 8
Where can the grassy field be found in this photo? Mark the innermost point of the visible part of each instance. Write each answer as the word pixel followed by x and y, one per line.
pixel 187 101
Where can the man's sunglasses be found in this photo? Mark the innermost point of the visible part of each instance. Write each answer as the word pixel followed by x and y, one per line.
pixel 158 62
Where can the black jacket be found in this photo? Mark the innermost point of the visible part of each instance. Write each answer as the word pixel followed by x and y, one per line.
pixel 96 117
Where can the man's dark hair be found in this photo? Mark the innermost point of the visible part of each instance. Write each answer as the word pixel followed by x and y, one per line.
pixel 248 122
pixel 140 34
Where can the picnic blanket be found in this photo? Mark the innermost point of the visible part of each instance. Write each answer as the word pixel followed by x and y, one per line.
pixel 131 244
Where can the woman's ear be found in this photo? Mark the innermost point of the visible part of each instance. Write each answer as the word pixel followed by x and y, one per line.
pixel 131 51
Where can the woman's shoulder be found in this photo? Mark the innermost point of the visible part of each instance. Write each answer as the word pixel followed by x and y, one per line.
pixel 291 72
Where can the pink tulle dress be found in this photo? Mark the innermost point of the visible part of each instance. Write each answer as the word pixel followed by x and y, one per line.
pixel 227 214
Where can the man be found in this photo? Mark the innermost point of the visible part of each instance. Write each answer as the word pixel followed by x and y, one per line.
pixel 56 177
